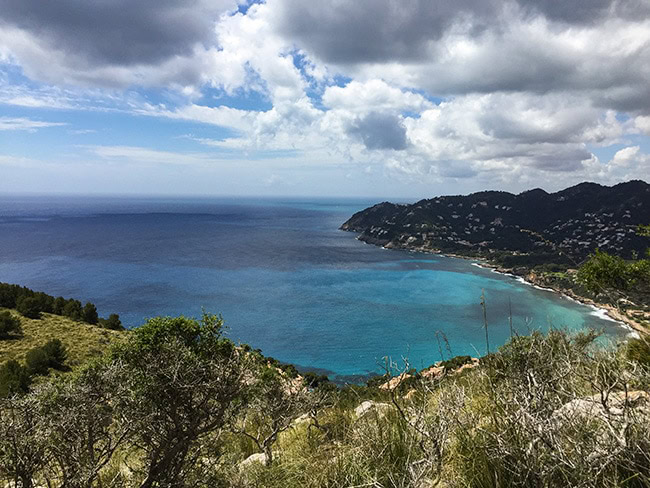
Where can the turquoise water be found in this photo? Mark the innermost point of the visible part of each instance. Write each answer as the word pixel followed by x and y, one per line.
pixel 283 276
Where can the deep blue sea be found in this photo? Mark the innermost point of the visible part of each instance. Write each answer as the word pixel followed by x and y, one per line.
pixel 283 276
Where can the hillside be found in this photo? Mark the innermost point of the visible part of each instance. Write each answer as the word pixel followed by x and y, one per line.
pixel 83 341
pixel 562 227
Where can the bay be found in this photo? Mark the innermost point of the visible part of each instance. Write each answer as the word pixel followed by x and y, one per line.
pixel 283 276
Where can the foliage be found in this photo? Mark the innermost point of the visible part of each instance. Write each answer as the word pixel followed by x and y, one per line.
pixel 638 350
pixel 29 307
pixel 14 378
pixel 455 362
pixel 178 405
pixel 113 322
pixel 52 355
pixel 89 314
pixel 184 382
pixel 9 325
pixel 31 304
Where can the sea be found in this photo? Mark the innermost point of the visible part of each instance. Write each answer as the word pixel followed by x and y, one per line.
pixel 283 276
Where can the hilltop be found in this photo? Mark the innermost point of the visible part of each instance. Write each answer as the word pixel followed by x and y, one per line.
pixel 531 228
pixel 82 341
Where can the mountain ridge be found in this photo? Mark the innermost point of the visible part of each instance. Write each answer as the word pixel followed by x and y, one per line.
pixel 564 226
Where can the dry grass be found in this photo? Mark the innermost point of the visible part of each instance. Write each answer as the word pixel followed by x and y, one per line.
pixel 83 341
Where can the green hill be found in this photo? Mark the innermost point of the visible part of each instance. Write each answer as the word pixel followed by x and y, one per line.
pixel 83 341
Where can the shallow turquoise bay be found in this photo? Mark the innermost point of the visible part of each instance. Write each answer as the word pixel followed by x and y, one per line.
pixel 283 276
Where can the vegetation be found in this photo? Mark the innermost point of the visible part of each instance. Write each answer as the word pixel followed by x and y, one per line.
pixel 32 304
pixel 9 325
pixel 177 404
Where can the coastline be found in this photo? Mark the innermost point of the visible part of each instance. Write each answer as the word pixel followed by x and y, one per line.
pixel 529 278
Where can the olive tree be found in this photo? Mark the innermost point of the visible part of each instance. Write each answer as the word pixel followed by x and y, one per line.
pixel 184 383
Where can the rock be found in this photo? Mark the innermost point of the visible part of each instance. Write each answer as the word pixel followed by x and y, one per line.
pixel 303 419
pixel 258 457
pixel 592 407
pixel 394 382
pixel 370 406
pixel 432 372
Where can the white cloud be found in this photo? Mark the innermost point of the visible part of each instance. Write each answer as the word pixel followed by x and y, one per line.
pixel 22 123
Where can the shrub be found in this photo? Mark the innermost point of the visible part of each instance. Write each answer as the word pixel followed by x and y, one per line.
pixel 639 350
pixel 8 325
pixel 56 353
pixel 14 378
pixel 73 310
pixel 455 362
pixel 37 360
pixel 29 307
pixel 52 355
pixel 89 314
pixel 113 322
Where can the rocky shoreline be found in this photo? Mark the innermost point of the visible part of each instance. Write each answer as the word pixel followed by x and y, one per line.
pixel 537 280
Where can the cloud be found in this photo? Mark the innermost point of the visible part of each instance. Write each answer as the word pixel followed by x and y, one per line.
pixel 380 131
pixel 83 40
pixel 21 123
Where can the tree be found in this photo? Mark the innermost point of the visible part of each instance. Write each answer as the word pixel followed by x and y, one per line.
pixel 113 322
pixel 14 378
pixel 56 353
pixel 8 325
pixel 184 383
pixel 89 313
pixel 79 422
pixel 22 443
pixel 52 355
pixel 73 310
pixel 29 307
pixel 38 362
pixel 603 272
pixel 276 401
pixel 58 306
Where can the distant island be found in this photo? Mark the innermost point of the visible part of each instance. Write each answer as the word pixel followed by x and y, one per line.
pixel 543 237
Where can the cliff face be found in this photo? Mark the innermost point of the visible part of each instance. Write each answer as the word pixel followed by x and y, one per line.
pixel 573 222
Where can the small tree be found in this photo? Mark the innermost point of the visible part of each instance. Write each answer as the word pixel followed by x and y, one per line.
pixel 80 425
pixel 58 305
pixel 14 378
pixel 22 443
pixel 29 307
pixel 8 325
pixel 276 401
pixel 113 322
pixel 56 353
pixel 89 313
pixel 184 383
pixel 38 362
pixel 73 310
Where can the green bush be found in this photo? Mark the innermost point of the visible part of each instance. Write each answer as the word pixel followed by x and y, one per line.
pixel 73 310
pixel 14 378
pixel 8 325
pixel 639 350
pixel 455 362
pixel 29 307
pixel 38 362
pixel 113 322
pixel 56 353
pixel 52 355
pixel 89 314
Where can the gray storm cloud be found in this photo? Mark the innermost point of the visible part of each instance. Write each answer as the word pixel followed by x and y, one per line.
pixel 116 32
pixel 380 131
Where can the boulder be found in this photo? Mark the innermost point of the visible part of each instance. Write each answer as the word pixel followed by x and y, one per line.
pixel 369 406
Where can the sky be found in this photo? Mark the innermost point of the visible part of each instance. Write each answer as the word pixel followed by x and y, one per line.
pixel 368 98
